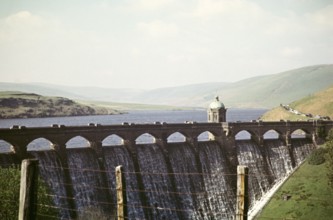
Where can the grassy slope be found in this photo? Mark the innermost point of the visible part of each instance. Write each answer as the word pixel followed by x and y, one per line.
pixel 271 90
pixel 320 103
pixel 310 196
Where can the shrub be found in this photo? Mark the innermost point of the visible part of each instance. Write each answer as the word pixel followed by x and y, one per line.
pixel 10 193
pixel 329 147
pixel 317 156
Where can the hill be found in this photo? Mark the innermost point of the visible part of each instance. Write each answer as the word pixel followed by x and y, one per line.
pixel 257 92
pixel 30 105
pixel 271 90
pixel 318 104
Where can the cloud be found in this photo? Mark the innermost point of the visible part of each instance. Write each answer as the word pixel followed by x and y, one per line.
pixel 115 39
pixel 21 26
pixel 322 17
pixel 146 5
pixel 24 18
pixel 158 29
pixel 291 51
pixel 153 4
pixel 47 50
pixel 207 9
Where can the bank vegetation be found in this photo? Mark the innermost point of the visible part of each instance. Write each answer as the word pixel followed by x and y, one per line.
pixel 31 105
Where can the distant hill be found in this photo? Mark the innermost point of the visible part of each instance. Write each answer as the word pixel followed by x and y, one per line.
pixel 262 91
pixel 271 90
pixel 31 105
pixel 318 104
pixel 258 92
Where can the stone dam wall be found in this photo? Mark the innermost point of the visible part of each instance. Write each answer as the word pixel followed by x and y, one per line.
pixel 193 177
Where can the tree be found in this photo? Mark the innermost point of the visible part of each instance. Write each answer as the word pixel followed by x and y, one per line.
pixel 10 192
pixel 329 146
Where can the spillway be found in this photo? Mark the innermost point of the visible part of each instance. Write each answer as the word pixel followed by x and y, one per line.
pixel 175 181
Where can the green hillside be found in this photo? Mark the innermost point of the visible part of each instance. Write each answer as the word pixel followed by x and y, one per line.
pixel 271 90
pixel 320 103
pixel 31 105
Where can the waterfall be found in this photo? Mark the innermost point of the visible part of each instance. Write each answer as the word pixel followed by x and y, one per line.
pixel 302 147
pixel 52 172
pixel 278 158
pixel 250 154
pixel 90 191
pixel 113 157
pixel 219 183
pixel 156 177
pixel 189 181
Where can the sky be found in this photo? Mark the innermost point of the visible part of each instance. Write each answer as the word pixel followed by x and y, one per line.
pixel 148 44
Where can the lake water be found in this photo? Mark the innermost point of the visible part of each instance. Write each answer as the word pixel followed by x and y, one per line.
pixel 134 117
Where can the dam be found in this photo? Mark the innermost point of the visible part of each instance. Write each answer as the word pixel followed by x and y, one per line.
pixel 192 177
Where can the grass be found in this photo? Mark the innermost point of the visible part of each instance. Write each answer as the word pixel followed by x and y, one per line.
pixel 309 196
pixel 320 103
pixel 279 113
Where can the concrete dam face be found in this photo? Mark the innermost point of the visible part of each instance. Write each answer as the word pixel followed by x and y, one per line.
pixel 191 179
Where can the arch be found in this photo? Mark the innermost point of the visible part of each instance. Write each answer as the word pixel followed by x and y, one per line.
pixel 6 147
pixel 145 138
pixel 40 144
pixel 112 140
pixel 176 137
pixel 77 142
pixel 243 135
pixel 206 136
pixel 271 134
pixel 299 133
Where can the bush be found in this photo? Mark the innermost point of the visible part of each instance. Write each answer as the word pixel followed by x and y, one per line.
pixel 329 147
pixel 317 156
pixel 10 193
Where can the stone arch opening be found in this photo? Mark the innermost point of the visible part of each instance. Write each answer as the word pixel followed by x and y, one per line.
pixel 145 138
pixel 78 142
pixel 243 135
pixel 299 133
pixel 112 140
pixel 6 147
pixel 176 137
pixel 40 144
pixel 206 136
pixel 271 134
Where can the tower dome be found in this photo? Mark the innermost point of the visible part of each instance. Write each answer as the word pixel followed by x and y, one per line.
pixel 217 111
pixel 216 104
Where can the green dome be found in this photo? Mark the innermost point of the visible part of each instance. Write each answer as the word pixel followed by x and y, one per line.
pixel 216 104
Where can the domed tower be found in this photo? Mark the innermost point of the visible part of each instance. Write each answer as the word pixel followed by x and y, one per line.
pixel 217 111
